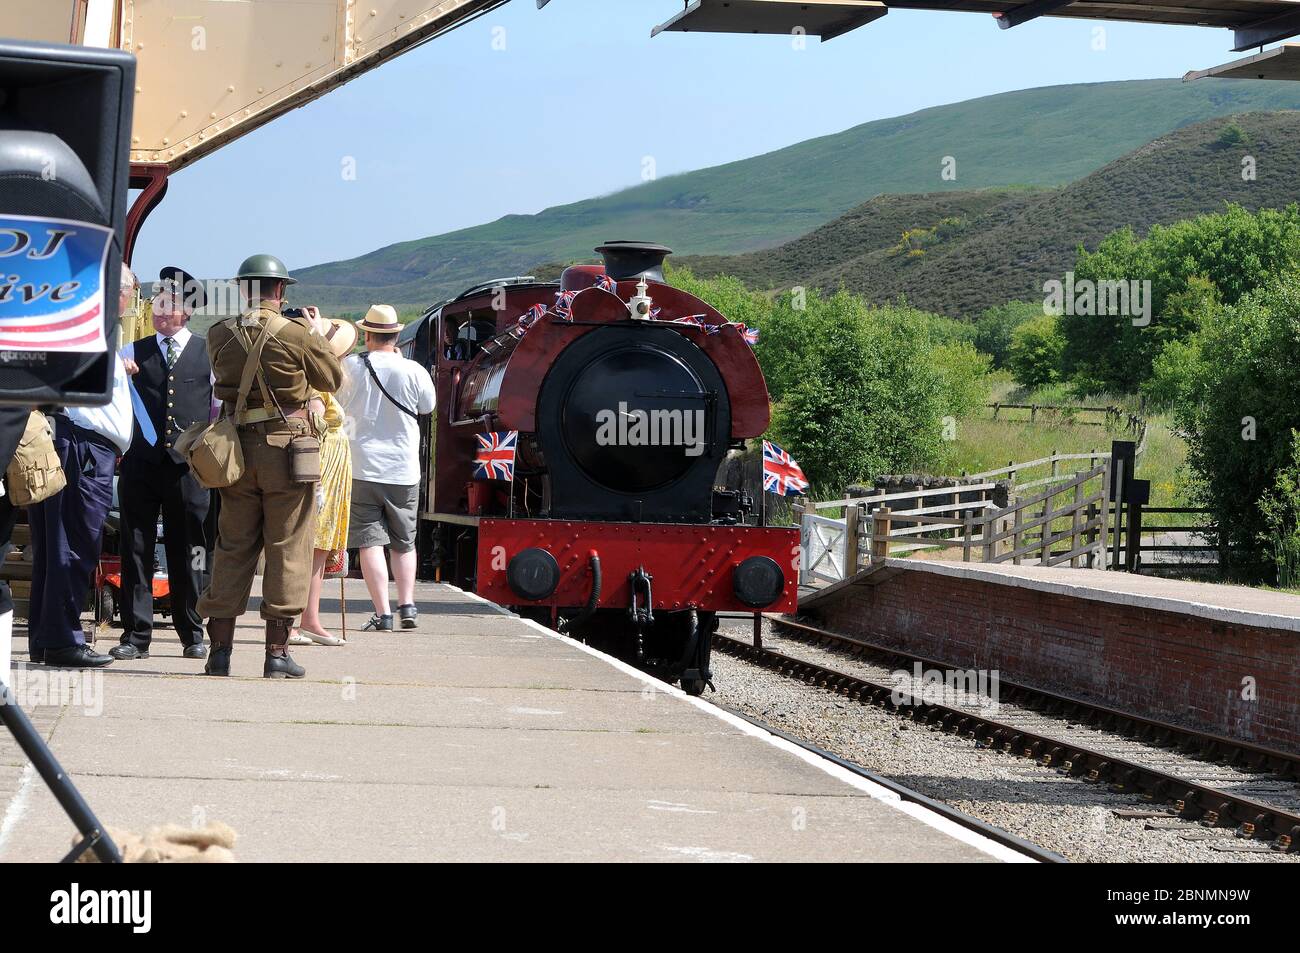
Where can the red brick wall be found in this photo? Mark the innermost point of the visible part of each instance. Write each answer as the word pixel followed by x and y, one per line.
pixel 1156 663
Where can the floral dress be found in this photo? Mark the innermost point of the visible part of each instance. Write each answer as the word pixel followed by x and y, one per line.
pixel 334 491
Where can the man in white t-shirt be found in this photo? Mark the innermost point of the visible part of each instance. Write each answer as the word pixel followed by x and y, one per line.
pixel 384 395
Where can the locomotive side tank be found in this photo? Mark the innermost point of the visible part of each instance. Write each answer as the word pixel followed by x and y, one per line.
pixel 622 397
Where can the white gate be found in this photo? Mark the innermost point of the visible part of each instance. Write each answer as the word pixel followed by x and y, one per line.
pixel 823 547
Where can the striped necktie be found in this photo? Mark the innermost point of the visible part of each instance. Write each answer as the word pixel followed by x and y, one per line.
pixel 171 351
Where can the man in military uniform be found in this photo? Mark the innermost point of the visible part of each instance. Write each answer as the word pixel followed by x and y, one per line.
pixel 265 510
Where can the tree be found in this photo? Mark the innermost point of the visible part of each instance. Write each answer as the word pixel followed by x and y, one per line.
pixel 1035 353
pixel 1239 409
pixel 994 327
pixel 875 406
pixel 1231 252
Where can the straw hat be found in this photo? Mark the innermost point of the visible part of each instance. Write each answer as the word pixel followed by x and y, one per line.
pixel 342 337
pixel 380 319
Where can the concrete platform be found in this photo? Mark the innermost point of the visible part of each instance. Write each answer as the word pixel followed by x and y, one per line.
pixel 477 736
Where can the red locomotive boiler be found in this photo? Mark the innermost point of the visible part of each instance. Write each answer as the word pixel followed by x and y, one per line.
pixel 601 411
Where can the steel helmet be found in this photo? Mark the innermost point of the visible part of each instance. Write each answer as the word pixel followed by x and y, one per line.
pixel 264 266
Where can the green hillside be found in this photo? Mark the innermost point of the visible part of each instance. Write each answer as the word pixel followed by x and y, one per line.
pixel 996 246
pixel 1037 137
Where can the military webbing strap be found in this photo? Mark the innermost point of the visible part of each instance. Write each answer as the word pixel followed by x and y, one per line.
pixel 253 366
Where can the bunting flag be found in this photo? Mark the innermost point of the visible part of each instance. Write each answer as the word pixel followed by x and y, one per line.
pixel 495 459
pixel 564 304
pixel 606 283
pixel 781 474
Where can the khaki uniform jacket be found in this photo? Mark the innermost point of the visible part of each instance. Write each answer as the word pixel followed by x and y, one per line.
pixel 294 362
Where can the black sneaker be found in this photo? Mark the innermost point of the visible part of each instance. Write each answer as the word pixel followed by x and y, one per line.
pixel 76 656
pixel 128 652
pixel 408 615
pixel 379 623
pixel 282 666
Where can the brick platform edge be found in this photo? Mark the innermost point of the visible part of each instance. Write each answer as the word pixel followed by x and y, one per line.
pixel 1182 659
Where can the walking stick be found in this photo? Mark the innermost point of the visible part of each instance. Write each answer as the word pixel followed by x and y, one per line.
pixel 343 607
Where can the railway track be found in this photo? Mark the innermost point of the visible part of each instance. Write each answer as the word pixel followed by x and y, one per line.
pixel 1216 781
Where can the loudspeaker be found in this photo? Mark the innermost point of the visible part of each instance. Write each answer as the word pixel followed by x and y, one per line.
pixel 65 129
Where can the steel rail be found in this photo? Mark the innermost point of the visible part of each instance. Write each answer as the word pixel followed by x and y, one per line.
pixel 1208 805
pixel 995 834
pixel 1203 744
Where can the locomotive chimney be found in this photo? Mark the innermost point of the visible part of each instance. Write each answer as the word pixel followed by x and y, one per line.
pixel 627 260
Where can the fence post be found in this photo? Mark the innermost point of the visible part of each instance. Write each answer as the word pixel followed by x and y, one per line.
pixel 1104 511
pixel 880 535
pixel 1056 464
pixel 1133 541
pixel 1045 537
pixel 968 529
pixel 852 514
pixel 1016 537
pixel 1074 524
pixel 988 529
pixel 996 408
pixel 1011 474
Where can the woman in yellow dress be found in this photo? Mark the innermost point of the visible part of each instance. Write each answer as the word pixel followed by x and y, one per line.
pixel 333 493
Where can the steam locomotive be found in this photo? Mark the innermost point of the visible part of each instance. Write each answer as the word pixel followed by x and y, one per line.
pixel 601 410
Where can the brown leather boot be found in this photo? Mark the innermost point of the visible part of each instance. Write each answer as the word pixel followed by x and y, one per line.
pixel 221 633
pixel 279 663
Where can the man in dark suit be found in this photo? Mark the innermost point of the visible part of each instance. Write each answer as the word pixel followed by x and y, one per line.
pixel 173 379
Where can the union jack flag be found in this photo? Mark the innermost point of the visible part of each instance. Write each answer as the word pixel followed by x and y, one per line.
pixel 564 303
pixel 495 459
pixel 607 283
pixel 528 319
pixel 781 475
pixel 749 334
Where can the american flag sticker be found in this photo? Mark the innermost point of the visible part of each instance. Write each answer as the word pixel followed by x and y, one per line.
pixel 52 285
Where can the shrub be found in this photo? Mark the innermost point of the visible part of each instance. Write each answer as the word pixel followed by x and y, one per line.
pixel 1192 265
pixel 1035 354
pixel 994 327
pixel 1239 407
pixel 1280 508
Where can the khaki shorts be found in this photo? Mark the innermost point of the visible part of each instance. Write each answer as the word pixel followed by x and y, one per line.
pixel 383 514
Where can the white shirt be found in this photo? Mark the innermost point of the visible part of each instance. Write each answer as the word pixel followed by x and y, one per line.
pixel 115 419
pixel 181 338
pixel 385 442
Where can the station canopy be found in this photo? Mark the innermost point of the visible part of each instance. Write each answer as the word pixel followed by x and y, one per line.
pixel 1254 22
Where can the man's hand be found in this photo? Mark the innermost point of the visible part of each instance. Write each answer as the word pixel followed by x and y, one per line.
pixel 132 368
pixel 319 324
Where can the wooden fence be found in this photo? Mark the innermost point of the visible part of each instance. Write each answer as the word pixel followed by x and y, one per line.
pixel 1065 520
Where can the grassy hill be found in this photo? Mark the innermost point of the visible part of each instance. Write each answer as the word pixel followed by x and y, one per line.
pixel 1036 137
pixel 999 245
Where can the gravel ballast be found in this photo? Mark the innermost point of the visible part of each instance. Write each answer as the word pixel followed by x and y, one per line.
pixel 1070 816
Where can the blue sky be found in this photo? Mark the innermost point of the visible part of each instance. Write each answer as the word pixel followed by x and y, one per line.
pixel 457 133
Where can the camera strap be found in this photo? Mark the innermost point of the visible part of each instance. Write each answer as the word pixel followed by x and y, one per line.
pixel 365 359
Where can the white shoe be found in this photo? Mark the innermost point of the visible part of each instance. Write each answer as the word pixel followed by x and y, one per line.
pixel 319 639
pixel 297 638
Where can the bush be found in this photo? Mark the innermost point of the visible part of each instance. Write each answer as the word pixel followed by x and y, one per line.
pixel 858 390
pixel 1280 508
pixel 1192 266
pixel 1239 407
pixel 1035 354
pixel 874 406
pixel 994 327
